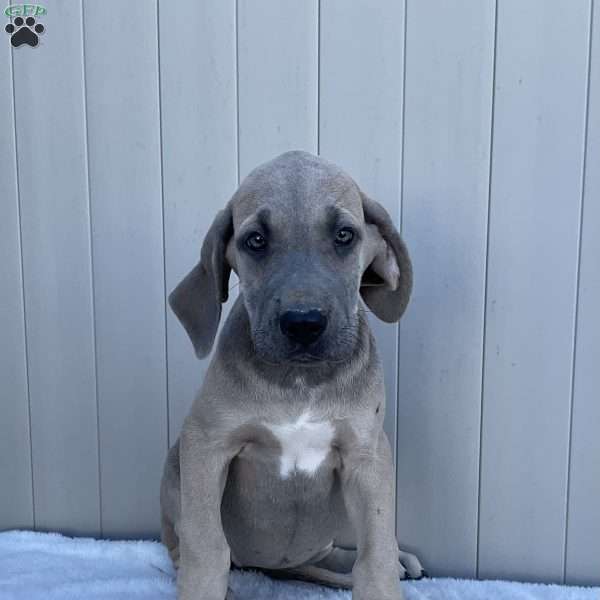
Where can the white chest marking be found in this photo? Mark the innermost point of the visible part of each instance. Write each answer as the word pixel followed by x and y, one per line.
pixel 304 444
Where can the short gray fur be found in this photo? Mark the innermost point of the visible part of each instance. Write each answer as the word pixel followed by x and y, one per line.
pixel 295 519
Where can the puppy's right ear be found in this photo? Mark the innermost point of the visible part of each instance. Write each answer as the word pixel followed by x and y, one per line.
pixel 197 299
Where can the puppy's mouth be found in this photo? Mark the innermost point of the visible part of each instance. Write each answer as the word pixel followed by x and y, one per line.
pixel 304 357
pixel 301 356
pixel 318 353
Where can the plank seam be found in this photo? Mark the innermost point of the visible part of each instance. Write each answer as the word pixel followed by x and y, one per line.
pixel 400 218
pixel 162 216
pixel 485 286
pixel 92 284
pixel 318 77
pixel 22 270
pixel 577 287
pixel 237 91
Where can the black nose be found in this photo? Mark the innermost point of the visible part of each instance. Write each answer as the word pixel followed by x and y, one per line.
pixel 304 326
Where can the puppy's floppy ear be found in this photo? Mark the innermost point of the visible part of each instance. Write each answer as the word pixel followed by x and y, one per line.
pixel 387 281
pixel 197 299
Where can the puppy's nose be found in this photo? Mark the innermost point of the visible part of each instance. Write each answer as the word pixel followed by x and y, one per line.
pixel 303 326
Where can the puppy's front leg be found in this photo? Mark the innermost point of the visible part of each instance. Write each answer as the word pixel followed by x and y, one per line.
pixel 367 480
pixel 204 554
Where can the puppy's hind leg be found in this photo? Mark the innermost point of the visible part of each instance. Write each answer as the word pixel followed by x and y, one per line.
pixel 341 560
pixel 170 501
pixel 313 574
pixel 170 539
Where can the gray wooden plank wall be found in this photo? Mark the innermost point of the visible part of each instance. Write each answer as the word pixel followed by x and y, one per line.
pixel 444 217
pixel 476 124
pixel 536 189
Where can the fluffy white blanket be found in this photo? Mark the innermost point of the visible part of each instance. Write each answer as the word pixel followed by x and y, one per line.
pixel 47 566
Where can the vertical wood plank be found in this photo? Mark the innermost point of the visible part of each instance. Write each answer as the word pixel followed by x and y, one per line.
pixel 277 75
pixel 361 120
pixel 199 132
pixel 448 89
pixel 583 524
pixel 541 68
pixel 16 506
pixel 56 270
pixel 127 240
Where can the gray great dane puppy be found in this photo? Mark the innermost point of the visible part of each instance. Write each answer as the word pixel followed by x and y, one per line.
pixel 282 463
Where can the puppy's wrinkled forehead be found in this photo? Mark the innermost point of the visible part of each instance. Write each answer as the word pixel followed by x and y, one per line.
pixel 296 188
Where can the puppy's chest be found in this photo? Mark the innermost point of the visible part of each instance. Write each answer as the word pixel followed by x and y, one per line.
pixel 298 445
pixel 304 442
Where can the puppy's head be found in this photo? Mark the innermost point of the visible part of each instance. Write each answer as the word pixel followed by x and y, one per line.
pixel 306 244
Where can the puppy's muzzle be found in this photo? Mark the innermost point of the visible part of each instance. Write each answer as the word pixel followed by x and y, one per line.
pixel 303 326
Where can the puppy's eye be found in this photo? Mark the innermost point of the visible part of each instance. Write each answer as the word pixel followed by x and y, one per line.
pixel 344 236
pixel 255 241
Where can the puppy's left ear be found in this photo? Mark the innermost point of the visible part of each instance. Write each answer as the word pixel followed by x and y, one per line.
pixel 387 281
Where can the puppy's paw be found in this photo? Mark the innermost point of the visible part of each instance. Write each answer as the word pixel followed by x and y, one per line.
pixel 410 566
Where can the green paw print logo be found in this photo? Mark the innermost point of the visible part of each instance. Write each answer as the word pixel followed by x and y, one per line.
pixel 24 29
